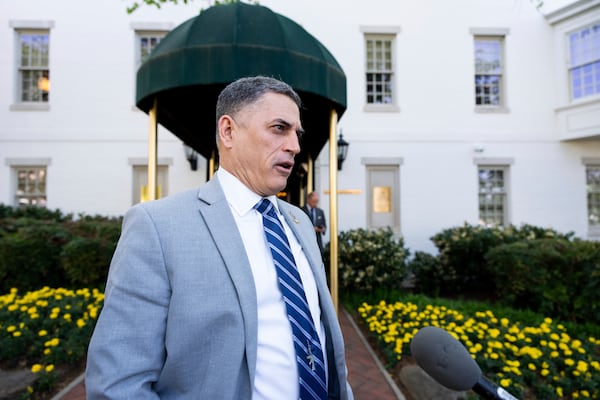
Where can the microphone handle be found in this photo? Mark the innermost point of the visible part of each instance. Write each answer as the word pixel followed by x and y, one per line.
pixel 490 391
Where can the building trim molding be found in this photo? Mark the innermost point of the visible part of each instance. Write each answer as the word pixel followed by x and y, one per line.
pixel 31 24
pixel 493 160
pixel 382 160
pixel 137 161
pixel 28 162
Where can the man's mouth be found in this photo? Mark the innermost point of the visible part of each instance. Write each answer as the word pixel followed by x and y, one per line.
pixel 285 166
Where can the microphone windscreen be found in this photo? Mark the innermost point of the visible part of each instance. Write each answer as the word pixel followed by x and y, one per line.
pixel 445 359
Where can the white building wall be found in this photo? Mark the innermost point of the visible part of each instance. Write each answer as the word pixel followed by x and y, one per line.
pixel 92 129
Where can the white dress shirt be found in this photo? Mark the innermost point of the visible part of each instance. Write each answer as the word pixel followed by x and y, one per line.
pixel 276 370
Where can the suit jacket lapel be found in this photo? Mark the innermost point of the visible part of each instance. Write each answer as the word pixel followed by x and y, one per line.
pixel 215 210
pixel 297 223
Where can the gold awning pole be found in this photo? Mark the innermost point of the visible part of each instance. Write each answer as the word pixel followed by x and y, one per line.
pixel 152 151
pixel 333 211
pixel 310 185
pixel 211 164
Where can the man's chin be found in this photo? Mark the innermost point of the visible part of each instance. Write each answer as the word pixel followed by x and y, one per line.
pixel 279 186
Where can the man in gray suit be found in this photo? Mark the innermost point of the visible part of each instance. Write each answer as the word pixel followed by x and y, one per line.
pixel 192 307
pixel 317 216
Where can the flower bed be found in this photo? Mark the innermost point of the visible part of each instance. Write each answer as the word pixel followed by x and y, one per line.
pixel 46 329
pixel 542 361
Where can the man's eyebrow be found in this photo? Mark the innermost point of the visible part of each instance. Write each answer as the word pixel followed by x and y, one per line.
pixel 300 132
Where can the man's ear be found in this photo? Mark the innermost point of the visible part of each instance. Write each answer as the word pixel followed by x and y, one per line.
pixel 225 126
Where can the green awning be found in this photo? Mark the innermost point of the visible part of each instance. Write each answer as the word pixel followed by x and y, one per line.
pixel 193 63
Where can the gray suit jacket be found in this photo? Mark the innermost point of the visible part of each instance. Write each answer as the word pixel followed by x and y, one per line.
pixel 180 317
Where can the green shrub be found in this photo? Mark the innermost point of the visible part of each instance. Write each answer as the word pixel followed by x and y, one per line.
pixel 462 254
pixel 39 213
pixel 429 276
pixel 370 260
pixel 556 277
pixel 529 274
pixel 86 261
pixel 29 256
pixel 87 256
pixel 40 247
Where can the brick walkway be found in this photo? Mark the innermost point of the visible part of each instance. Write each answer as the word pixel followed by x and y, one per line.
pixel 367 377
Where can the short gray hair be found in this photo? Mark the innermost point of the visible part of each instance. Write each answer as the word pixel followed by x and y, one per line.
pixel 245 91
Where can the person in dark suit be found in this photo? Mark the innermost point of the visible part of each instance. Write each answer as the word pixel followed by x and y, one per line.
pixel 316 215
pixel 194 307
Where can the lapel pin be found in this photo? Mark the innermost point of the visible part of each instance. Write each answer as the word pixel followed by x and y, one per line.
pixel 296 220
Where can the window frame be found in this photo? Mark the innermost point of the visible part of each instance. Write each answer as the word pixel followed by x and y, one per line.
pixel 143 29
pixel 571 66
pixel 17 164
pixel 497 164
pixel 386 34
pixel 141 34
pixel 29 27
pixel 496 35
pixel 593 229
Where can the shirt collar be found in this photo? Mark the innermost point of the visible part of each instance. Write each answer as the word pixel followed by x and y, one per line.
pixel 239 196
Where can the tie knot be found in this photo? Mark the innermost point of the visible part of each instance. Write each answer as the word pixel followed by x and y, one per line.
pixel 264 206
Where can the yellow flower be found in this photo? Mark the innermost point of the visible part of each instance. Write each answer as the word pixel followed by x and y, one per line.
pixel 43 332
pixel 570 362
pixel 494 333
pixel 36 368
pixel 582 366
pixel 16 334
pixel 559 391
pixel 49 368
pixel 52 342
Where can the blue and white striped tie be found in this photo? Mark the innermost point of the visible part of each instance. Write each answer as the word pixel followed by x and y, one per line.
pixel 309 355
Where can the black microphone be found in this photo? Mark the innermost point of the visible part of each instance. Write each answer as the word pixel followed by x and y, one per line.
pixel 447 361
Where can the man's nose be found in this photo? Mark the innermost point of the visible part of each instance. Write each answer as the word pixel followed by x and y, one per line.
pixel 292 143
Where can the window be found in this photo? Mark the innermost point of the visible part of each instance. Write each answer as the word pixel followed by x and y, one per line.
pixel 379 69
pixel 592 173
pixel 584 61
pixel 30 186
pixel 33 65
pixel 492 195
pixel 489 71
pixel 146 41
